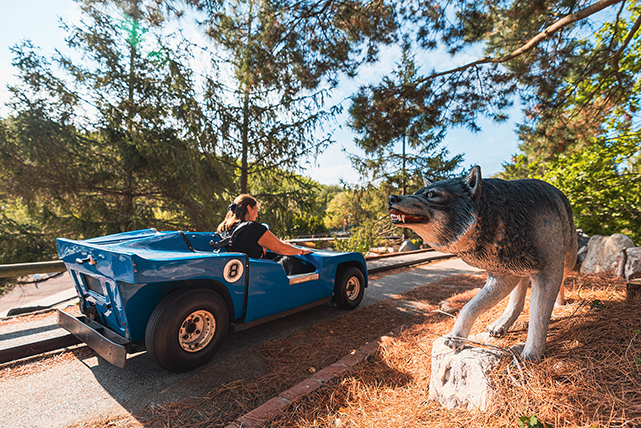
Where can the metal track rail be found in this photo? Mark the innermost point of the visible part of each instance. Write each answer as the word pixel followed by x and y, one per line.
pixel 57 343
pixel 37 348
pixel 407 264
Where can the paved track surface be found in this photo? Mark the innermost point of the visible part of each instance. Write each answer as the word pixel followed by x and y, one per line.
pixel 89 388
pixel 49 292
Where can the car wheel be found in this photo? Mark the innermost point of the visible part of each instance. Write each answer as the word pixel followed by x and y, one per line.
pixel 186 329
pixel 349 287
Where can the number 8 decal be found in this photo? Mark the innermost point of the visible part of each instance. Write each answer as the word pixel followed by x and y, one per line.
pixel 233 270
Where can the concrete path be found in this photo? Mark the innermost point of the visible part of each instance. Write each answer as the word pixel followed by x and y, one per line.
pixel 47 293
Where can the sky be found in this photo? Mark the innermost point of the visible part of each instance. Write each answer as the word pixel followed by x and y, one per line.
pixel 38 21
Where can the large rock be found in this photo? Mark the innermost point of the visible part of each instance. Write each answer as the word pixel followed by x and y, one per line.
pixel 582 249
pixel 582 238
pixel 408 246
pixel 603 251
pixel 628 264
pixel 459 378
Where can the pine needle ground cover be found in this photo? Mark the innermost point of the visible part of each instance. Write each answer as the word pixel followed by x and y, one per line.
pixel 296 357
pixel 590 376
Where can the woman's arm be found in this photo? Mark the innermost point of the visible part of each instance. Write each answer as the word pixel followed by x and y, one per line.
pixel 272 243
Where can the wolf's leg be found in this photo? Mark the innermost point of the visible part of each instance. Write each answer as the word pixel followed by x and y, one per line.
pixel 568 266
pixel 512 311
pixel 495 289
pixel 560 297
pixel 545 288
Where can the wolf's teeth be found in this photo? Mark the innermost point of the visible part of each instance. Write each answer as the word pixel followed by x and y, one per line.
pixel 403 218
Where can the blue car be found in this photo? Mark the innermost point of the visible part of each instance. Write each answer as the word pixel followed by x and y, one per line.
pixel 174 295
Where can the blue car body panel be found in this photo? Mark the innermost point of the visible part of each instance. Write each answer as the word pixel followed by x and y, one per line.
pixel 124 276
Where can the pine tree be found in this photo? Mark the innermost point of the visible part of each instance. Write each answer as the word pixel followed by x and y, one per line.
pixel 398 111
pixel 118 142
pixel 282 60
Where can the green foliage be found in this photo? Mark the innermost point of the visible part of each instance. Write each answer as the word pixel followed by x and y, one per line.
pixel 290 204
pixel 307 225
pixel 283 57
pixel 603 183
pixel 24 241
pixel 351 206
pixel 597 305
pixel 595 94
pixel 141 156
pixel 363 211
pixel 362 238
pixel 121 140
pixel 532 422
pixel 566 138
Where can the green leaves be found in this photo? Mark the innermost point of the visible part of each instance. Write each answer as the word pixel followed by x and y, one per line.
pixel 532 422
pixel 133 29
pixel 283 58
pixel 603 184
pixel 134 160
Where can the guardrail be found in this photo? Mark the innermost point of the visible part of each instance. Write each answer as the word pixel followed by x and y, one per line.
pixel 23 269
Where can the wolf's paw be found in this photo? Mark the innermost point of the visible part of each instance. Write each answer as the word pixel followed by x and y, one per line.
pixel 531 354
pixel 454 342
pixel 496 330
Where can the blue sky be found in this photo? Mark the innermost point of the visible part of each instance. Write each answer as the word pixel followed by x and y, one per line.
pixel 38 20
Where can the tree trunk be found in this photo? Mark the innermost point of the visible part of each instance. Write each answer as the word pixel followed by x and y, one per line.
pixel 404 181
pixel 128 203
pixel 245 143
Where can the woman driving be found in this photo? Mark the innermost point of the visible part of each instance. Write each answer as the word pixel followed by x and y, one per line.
pixel 252 238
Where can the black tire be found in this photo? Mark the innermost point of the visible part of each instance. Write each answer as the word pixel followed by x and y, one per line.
pixel 186 329
pixel 349 287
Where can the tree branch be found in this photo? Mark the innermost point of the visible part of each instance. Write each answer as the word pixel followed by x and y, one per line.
pixel 543 35
pixel 617 54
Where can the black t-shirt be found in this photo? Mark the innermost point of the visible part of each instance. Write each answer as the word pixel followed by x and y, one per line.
pixel 246 239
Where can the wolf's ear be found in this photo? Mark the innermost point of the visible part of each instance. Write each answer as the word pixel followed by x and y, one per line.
pixel 426 182
pixel 473 180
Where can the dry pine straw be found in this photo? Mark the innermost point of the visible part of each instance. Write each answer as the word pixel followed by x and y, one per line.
pixel 590 376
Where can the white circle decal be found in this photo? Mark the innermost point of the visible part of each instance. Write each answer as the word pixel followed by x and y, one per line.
pixel 233 270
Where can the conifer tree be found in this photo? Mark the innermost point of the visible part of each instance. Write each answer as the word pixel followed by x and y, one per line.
pixel 399 112
pixel 281 59
pixel 116 141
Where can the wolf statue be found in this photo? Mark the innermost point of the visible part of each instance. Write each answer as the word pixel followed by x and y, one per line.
pixel 518 231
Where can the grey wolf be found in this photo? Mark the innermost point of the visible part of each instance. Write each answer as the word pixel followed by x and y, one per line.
pixel 518 231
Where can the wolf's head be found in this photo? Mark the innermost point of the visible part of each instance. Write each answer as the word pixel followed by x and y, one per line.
pixel 442 212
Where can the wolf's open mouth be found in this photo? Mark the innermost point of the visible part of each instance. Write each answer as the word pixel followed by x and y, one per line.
pixel 399 217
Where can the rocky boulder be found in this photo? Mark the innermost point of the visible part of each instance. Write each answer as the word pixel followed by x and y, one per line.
pixel 582 238
pixel 602 252
pixel 628 264
pixel 582 249
pixel 460 378
pixel 408 246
